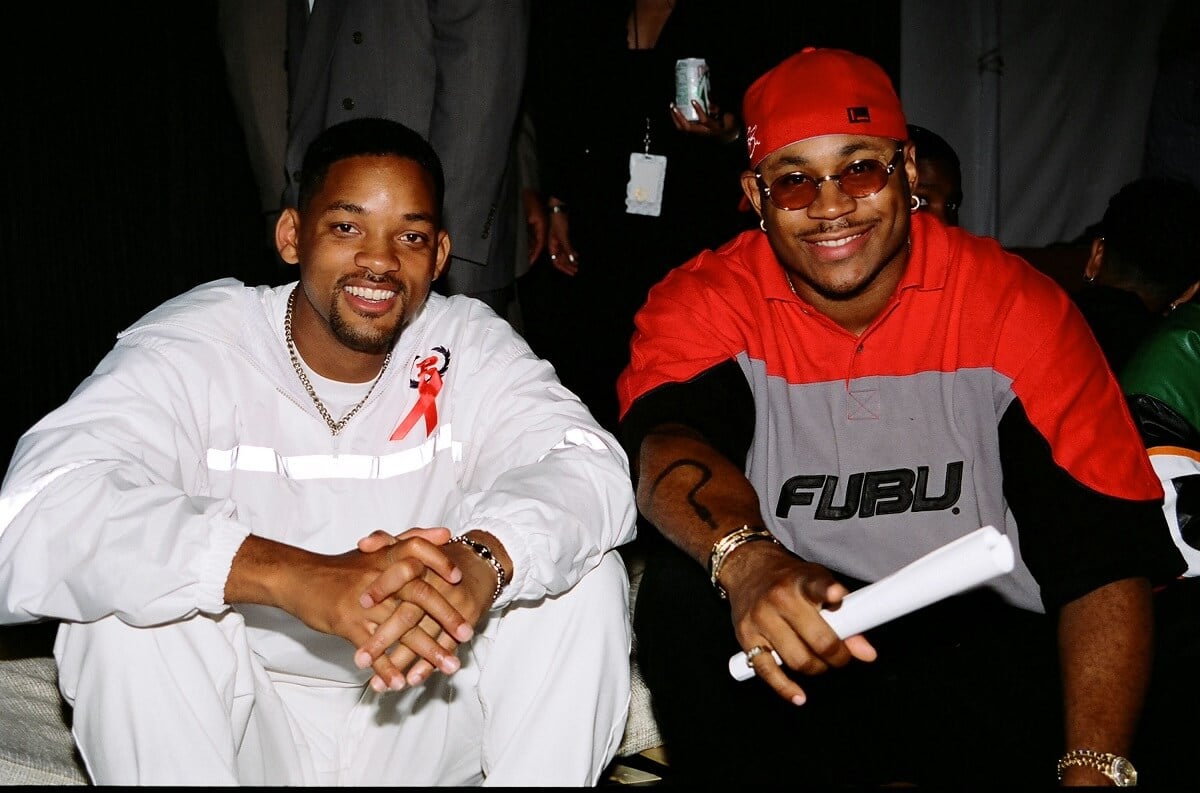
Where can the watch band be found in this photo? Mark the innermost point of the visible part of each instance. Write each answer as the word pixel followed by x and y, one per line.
pixel 1113 766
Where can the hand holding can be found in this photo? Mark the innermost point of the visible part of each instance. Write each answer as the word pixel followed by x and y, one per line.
pixel 691 83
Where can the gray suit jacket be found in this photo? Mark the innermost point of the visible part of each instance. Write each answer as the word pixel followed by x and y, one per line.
pixel 453 70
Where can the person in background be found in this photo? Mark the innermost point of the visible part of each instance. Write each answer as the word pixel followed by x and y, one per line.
pixel 532 216
pixel 939 175
pixel 453 71
pixel 1144 263
pixel 253 42
pixel 344 531
pixel 602 81
pixel 1160 253
pixel 838 392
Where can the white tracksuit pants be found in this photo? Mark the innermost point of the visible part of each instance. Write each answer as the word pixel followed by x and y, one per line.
pixel 541 699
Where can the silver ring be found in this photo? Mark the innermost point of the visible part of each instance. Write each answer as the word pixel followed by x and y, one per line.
pixel 553 256
pixel 570 257
pixel 753 653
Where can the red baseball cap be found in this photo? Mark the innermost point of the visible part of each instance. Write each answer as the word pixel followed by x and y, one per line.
pixel 820 92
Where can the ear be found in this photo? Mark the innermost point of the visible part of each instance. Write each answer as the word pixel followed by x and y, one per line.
pixel 1095 260
pixel 1187 295
pixel 910 166
pixel 443 254
pixel 287 235
pixel 750 188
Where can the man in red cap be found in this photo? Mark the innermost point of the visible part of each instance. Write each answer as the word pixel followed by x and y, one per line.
pixel 820 402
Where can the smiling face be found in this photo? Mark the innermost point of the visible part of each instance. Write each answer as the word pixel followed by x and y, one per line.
pixel 369 247
pixel 843 255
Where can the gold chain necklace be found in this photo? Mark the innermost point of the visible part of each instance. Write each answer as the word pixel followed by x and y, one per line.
pixel 334 426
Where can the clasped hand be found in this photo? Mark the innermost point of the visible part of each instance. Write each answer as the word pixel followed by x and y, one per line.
pixel 400 600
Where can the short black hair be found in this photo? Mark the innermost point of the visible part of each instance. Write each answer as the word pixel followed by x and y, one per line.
pixel 368 136
pixel 1151 232
pixel 932 146
pixel 935 148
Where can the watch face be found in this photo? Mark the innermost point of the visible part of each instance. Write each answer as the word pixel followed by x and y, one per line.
pixel 1123 772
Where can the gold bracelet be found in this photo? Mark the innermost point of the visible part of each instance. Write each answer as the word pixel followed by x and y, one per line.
pixel 724 546
pixel 485 553
pixel 1115 767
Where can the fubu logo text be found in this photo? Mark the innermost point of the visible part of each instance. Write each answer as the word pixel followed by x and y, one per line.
pixel 888 492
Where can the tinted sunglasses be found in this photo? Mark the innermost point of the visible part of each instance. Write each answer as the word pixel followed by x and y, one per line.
pixel 859 179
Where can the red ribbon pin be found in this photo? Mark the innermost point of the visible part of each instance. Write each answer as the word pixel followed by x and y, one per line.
pixel 429 383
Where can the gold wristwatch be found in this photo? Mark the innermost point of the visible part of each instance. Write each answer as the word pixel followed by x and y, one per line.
pixel 1113 766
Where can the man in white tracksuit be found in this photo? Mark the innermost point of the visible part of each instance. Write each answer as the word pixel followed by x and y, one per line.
pixel 341 532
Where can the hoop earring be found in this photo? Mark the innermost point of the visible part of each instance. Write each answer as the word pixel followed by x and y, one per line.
pixel 762 224
pixel 914 203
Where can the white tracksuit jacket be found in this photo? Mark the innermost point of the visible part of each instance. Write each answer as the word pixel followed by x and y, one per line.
pixel 130 500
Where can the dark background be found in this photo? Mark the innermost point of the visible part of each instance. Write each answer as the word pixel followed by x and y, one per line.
pixel 128 180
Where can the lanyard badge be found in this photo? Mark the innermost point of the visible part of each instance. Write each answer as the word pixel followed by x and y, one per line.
pixel 647 174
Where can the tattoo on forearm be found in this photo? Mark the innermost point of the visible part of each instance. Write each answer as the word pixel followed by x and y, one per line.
pixel 705 472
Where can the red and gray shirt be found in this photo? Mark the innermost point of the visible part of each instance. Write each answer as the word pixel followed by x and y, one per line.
pixel 977 397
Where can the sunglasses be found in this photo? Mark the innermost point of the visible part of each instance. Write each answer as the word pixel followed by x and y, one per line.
pixel 859 179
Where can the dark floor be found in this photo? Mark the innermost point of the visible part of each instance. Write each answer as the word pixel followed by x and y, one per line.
pixel 27 641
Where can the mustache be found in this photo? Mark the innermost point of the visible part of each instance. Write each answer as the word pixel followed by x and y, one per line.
pixel 842 224
pixel 375 279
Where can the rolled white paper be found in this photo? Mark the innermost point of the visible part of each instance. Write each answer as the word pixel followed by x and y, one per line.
pixel 953 568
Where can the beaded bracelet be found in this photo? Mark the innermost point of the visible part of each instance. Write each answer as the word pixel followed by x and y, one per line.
pixel 485 553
